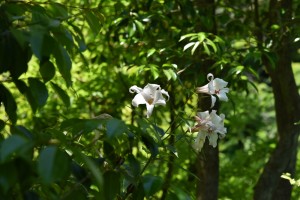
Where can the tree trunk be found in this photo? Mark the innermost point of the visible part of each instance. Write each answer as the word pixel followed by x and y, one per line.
pixel 208 173
pixel 207 163
pixel 287 106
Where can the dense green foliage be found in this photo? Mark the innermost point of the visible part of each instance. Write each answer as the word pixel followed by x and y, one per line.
pixel 68 129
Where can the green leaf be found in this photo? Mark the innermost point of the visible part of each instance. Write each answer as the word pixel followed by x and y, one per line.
pixel 139 193
pixel 172 149
pixel 206 49
pixel 159 130
pixel 8 177
pixel 2 124
pixel 154 71
pixel 150 144
pixel 9 103
pixel 201 36
pixel 38 93
pixel 150 52
pixel 63 63
pixel 195 47
pixel 167 73
pixel 178 193
pixel 22 87
pixel 36 41
pixel 20 35
pixel 236 70
pixel 134 165
pixel 47 70
pixel 187 36
pixel 188 45
pixel 112 186
pixel 93 21
pixel 212 44
pixel 21 130
pixel 140 26
pixel 115 128
pixel 95 170
pixel 271 57
pixel 65 38
pixel 80 43
pixel 13 146
pixel 81 126
pixel 58 10
pixel 152 184
pixel 62 94
pixel 53 165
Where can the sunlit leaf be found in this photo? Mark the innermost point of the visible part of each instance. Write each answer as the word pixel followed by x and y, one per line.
pixel 150 52
pixel 187 36
pixel 154 71
pixel 140 26
pixel 212 44
pixel 206 49
pixel 195 47
pixel 188 45
pixel 201 37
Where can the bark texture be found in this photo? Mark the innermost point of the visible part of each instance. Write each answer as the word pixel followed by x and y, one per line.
pixel 208 172
pixel 287 107
pixel 207 163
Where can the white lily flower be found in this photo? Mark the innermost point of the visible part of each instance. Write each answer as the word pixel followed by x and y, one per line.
pixel 151 95
pixel 209 125
pixel 216 86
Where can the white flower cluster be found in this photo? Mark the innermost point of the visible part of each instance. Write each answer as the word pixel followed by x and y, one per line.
pixel 151 95
pixel 211 125
pixel 208 125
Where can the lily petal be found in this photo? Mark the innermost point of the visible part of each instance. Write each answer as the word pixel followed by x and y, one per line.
pixel 203 89
pixel 203 115
pixel 213 138
pixel 151 95
pixel 219 83
pixel 165 93
pixel 213 101
pixel 210 77
pixel 222 94
pixel 199 142
pixel 149 110
pixel 138 99
pixel 159 99
pixel 134 89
